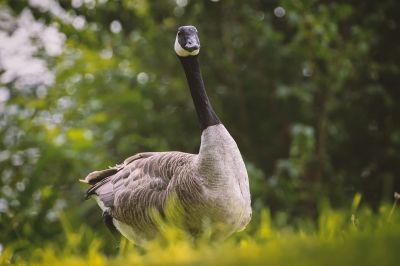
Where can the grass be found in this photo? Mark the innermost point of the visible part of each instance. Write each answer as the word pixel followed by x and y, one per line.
pixel 340 237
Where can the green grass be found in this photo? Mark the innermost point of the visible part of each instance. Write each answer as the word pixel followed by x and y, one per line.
pixel 339 237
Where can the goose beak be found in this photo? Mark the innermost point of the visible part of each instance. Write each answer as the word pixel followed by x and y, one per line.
pixel 190 40
pixel 191 47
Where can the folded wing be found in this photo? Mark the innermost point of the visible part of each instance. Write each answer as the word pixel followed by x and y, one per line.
pixel 129 191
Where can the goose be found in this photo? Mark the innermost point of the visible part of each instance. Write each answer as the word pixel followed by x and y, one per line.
pixel 210 186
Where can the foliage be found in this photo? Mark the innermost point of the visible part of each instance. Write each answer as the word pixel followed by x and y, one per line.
pixel 307 88
pixel 365 239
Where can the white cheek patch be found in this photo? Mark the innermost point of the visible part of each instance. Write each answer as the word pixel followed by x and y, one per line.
pixel 182 52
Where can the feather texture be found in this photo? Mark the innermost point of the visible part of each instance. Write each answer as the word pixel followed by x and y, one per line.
pixel 200 187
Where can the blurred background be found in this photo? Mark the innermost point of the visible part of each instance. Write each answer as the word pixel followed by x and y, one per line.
pixel 308 89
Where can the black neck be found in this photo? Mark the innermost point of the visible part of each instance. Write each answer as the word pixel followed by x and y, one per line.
pixel 205 113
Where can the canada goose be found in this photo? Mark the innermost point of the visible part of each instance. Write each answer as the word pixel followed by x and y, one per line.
pixel 211 185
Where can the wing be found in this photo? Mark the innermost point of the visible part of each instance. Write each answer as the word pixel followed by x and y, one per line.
pixel 142 182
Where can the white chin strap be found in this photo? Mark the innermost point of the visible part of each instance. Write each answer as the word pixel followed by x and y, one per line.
pixel 182 52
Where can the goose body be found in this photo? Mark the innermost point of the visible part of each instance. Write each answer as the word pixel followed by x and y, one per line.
pixel 209 186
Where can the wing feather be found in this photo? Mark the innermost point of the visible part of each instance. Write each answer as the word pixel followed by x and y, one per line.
pixel 138 184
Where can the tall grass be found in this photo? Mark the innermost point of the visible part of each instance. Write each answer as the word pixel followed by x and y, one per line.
pixel 340 237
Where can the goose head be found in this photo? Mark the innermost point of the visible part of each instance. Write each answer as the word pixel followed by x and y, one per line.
pixel 187 41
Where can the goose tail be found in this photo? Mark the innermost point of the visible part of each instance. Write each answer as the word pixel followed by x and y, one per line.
pixel 97 176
